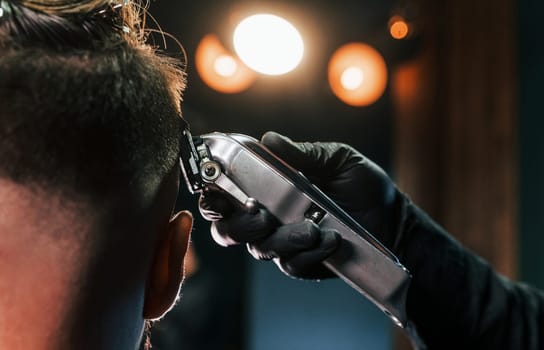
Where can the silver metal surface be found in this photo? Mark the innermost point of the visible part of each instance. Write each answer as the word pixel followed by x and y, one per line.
pixel 366 265
pixel 230 187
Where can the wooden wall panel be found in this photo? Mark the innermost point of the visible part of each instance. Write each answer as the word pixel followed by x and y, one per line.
pixel 456 125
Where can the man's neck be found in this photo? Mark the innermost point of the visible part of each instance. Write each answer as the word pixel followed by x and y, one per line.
pixel 39 266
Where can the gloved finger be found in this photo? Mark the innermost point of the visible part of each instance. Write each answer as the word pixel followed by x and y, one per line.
pixel 312 157
pixel 243 227
pixel 298 155
pixel 286 241
pixel 215 205
pixel 309 264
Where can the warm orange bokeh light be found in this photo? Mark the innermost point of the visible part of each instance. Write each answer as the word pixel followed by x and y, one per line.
pixel 219 69
pixel 398 28
pixel 357 74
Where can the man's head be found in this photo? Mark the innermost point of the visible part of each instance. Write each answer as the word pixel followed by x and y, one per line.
pixel 89 128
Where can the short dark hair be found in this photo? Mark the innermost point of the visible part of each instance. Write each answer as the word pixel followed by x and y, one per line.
pixel 86 106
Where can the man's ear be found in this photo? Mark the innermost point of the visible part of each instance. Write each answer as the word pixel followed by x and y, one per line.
pixel 166 273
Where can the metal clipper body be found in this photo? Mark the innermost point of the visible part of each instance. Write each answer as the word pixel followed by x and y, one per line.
pixel 241 166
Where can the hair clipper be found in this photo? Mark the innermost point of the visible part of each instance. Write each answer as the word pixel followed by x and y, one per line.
pixel 252 175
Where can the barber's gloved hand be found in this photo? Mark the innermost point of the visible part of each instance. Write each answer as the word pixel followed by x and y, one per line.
pixel 356 184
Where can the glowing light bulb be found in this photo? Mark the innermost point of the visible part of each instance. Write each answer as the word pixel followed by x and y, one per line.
pixel 219 69
pixel 398 28
pixel 268 44
pixel 357 74
pixel 225 65
pixel 352 78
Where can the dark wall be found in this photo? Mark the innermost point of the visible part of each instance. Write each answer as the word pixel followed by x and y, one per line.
pixel 531 138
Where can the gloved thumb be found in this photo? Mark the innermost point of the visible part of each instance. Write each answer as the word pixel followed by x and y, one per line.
pixel 325 158
pixel 304 156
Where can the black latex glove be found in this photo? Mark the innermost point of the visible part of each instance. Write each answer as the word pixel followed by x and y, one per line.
pixel 455 301
pixel 356 184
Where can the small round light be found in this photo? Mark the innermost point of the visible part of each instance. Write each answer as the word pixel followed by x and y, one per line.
pixel 357 74
pixel 219 69
pixel 268 44
pixel 398 28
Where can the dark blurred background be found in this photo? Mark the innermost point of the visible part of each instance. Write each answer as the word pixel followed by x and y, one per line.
pixel 458 127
